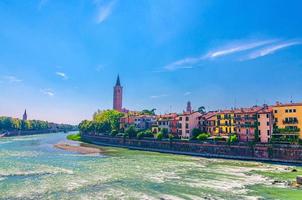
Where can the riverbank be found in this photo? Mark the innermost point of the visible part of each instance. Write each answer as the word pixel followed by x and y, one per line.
pixel 260 152
pixel 78 149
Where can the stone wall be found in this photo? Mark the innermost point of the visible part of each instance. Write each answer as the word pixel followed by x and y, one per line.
pixel 262 152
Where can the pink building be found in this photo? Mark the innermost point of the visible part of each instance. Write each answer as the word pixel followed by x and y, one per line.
pixel 186 123
pixel 246 124
pixel 265 124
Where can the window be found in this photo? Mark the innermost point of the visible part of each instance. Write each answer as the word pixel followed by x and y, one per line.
pixel 276 120
pixel 294 110
pixel 286 110
pixel 290 110
pixel 267 115
pixel 259 131
pixel 258 123
pixel 180 118
pixel 267 123
pixel 276 111
pixel 187 118
pixel 187 131
pixel 258 116
pixel 268 132
pixel 187 125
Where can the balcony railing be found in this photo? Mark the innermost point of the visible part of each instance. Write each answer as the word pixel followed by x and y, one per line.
pixel 290 122
pixel 245 118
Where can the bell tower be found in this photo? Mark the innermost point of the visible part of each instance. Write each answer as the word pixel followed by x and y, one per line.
pixel 118 95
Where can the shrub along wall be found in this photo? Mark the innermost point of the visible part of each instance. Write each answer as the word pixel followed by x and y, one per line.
pixel 264 152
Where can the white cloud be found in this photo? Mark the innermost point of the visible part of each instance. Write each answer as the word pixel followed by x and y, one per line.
pixel 99 68
pixel 271 49
pixel 237 47
pixel 232 48
pixel 48 92
pixel 187 93
pixel 62 75
pixel 104 11
pixel 186 63
pixel 12 79
pixel 158 96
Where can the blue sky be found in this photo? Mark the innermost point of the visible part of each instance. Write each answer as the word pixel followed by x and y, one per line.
pixel 59 59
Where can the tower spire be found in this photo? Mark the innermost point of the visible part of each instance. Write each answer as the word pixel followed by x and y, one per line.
pixel 24 116
pixel 118 83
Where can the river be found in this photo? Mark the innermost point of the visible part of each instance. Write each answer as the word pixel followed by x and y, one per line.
pixel 31 168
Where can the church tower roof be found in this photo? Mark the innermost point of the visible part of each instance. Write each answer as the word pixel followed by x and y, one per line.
pixel 118 82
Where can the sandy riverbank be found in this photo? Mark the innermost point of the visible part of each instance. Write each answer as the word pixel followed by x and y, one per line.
pixel 78 149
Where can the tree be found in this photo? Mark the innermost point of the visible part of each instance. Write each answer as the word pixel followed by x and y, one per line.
pixel 131 132
pixel 232 139
pixel 148 112
pixel 195 132
pixel 159 136
pixel 202 109
pixel 111 117
pixel 164 132
pixel 203 136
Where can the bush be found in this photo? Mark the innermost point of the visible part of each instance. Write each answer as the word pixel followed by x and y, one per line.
pixel 131 132
pixel 159 136
pixel 140 135
pixel 195 133
pixel 114 133
pixel 164 132
pixel 148 133
pixel 203 136
pixel 170 136
pixel 232 139
pixel 75 137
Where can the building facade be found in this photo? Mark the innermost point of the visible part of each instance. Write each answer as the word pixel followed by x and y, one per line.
pixel 265 124
pixel 118 96
pixel 225 124
pixel 187 122
pixel 167 121
pixel 288 119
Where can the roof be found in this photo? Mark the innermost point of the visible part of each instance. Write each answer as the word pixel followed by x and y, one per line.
pixel 278 104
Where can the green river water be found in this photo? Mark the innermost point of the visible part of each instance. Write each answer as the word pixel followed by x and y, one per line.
pixel 31 168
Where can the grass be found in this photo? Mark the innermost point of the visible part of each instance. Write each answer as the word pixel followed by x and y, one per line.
pixel 75 137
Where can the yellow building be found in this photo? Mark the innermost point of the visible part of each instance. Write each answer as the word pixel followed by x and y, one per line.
pixel 225 124
pixel 288 117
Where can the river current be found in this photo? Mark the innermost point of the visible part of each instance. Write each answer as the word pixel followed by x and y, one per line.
pixel 32 168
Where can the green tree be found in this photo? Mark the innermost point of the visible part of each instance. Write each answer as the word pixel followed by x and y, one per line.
pixel 111 117
pixel 164 132
pixel 148 112
pixel 159 136
pixel 131 131
pixel 201 109
pixel 195 132
pixel 232 139
pixel 203 136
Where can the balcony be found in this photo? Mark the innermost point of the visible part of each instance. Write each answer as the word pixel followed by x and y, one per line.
pixel 290 121
pixel 245 118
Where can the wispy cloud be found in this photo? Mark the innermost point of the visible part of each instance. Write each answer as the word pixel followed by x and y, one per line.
pixel 187 93
pixel 271 49
pixel 158 96
pixel 48 92
pixel 236 47
pixel 62 75
pixel 99 68
pixel 104 10
pixel 231 48
pixel 12 79
pixel 186 63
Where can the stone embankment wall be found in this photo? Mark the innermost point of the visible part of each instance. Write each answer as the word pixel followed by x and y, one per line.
pixel 260 152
